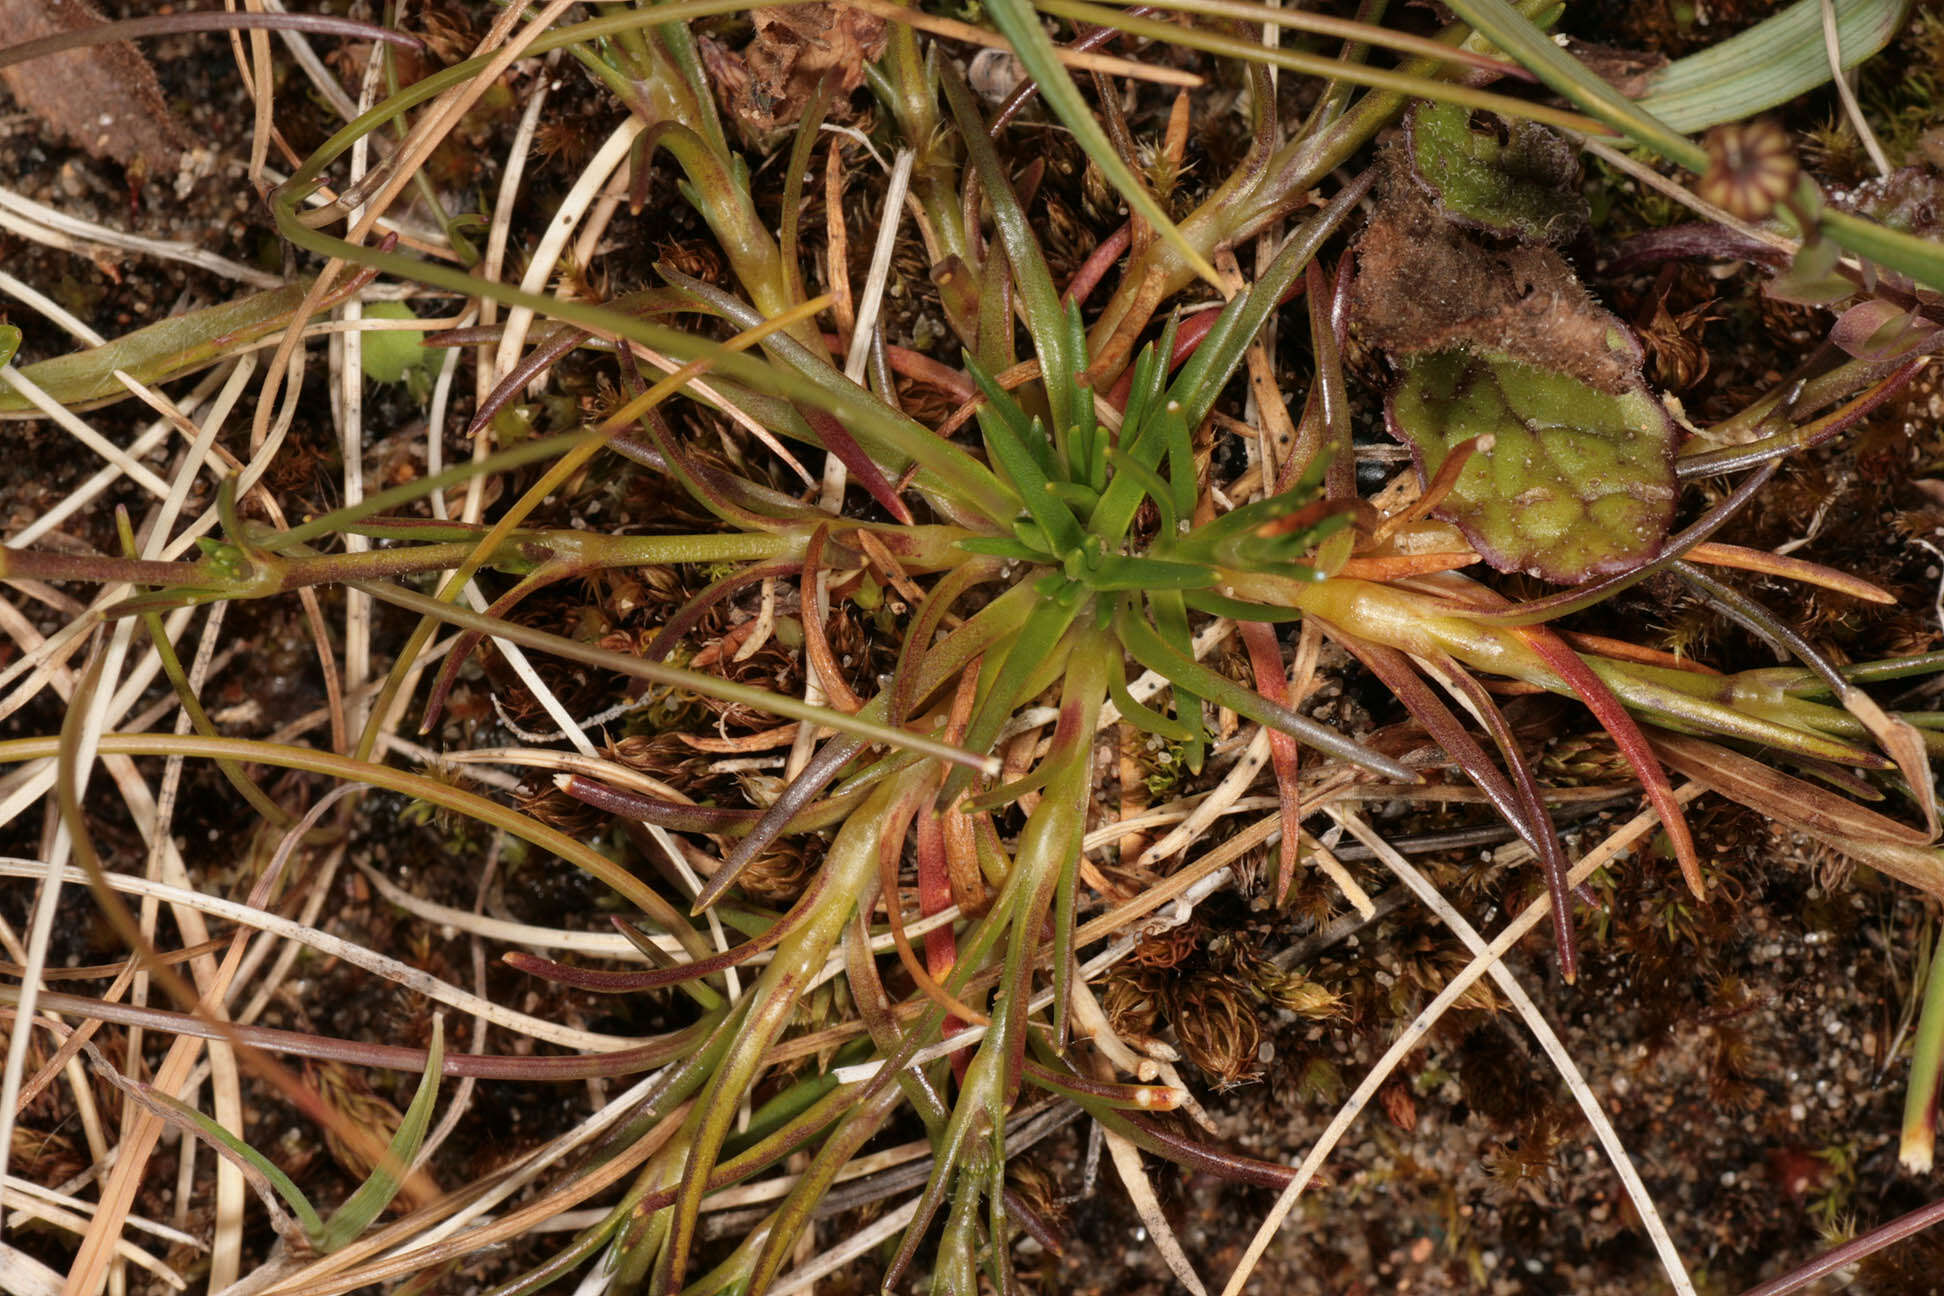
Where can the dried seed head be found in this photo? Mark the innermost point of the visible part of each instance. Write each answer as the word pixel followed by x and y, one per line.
pixel 1133 1001
pixel 1293 992
pixel 778 875
pixel 1751 168
pixel 1217 1026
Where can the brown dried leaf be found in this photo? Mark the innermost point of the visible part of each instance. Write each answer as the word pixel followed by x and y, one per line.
pixel 1781 796
pixel 1424 285
pixel 1627 71
pixel 765 85
pixel 1398 1106
pixel 1848 829
pixel 104 98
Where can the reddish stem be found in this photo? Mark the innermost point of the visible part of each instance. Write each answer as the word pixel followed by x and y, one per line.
pixel 1852 1251
pixel 1265 659
pixel 1188 338
pixel 918 367
pixel 1095 267
pixel 1613 717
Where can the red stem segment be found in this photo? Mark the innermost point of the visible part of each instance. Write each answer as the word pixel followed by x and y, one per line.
pixel 1265 659
pixel 1852 1251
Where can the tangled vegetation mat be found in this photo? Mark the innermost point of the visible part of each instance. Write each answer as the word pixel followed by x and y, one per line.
pixel 1029 645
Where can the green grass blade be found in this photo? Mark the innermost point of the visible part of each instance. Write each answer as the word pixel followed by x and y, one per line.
pixel 1201 380
pixel 1769 64
pixel 166 349
pixel 1926 1060
pixel 1171 621
pixel 1020 23
pixel 1137 713
pixel 256 1167
pixel 1014 457
pixel 387 1177
pixel 1045 319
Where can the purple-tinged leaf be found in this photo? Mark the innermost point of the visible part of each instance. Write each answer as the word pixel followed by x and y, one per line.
pixel 1881 331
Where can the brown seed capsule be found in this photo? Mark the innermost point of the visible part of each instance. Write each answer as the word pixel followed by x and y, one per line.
pixel 1751 168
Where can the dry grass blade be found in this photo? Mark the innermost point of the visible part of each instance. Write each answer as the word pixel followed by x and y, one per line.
pixel 1548 1039
pixel 1140 1191
pixel 1901 851
pixel 1620 841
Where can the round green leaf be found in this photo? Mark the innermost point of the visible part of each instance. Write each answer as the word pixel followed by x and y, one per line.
pixel 1578 482
pixel 391 353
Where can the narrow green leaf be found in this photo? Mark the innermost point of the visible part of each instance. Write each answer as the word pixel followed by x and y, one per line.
pixel 1028 476
pixel 1020 23
pixel 1001 409
pixel 163 350
pixel 1001 547
pixel 1045 320
pixel 1078 396
pixel 1171 620
pixel 1134 461
pixel 1004 677
pixel 1926 1060
pixel 1200 382
pixel 1139 714
pixel 1150 374
pixel 1768 64
pixel 387 1177
pixel 256 1167
pixel 1117 573
pixel 1147 647
pixel 1150 483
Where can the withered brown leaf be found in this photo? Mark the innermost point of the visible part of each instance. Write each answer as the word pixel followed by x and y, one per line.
pixel 104 98
pixel 1425 285
pixel 765 85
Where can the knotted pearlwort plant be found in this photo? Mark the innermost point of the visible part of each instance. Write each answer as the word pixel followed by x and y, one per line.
pixel 1063 568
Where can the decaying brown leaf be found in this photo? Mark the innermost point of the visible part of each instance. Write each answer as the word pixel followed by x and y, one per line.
pixel 765 85
pixel 1425 285
pixel 1903 852
pixel 1627 71
pixel 1781 796
pixel 104 98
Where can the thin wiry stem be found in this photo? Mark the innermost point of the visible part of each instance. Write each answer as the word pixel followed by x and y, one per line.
pixel 1413 1035
pixel 179 24
pixel 1853 1251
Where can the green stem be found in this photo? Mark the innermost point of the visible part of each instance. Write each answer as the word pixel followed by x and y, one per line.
pixel 1926 1061
pixel 725 204
pixel 848 868
pixel 1417 624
